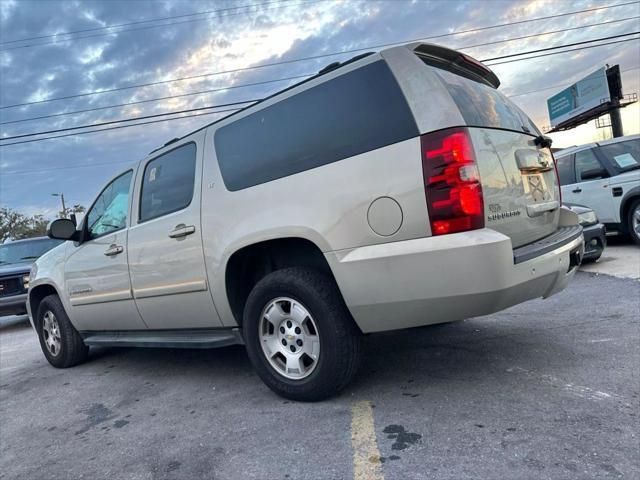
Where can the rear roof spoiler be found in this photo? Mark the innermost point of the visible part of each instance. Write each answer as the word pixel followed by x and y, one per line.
pixel 456 62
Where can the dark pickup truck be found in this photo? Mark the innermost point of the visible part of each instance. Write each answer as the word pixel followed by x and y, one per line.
pixel 15 263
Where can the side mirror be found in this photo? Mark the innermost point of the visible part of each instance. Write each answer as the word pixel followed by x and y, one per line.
pixel 63 229
pixel 594 174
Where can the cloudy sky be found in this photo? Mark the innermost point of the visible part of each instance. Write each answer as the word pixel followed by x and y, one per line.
pixel 203 37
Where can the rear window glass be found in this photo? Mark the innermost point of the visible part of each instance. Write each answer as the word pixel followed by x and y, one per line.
pixel 484 106
pixel 168 182
pixel 623 155
pixel 351 114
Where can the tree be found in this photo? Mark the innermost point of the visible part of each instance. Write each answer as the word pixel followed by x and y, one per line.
pixel 15 225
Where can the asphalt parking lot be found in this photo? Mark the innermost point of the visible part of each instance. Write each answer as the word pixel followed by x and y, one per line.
pixel 547 389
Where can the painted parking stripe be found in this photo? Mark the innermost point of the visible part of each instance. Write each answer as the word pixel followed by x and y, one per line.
pixel 366 456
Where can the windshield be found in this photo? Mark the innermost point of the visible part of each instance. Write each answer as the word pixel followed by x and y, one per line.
pixel 623 155
pixel 20 252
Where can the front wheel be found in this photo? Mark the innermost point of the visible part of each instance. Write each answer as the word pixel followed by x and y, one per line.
pixel 61 343
pixel 300 336
pixel 633 221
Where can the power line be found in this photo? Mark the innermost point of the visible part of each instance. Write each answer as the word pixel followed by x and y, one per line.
pixel 565 51
pixel 547 49
pixel 132 119
pixel 559 85
pixel 220 111
pixel 584 42
pixel 68 167
pixel 208 12
pixel 315 57
pixel 548 33
pixel 55 42
pixel 297 76
pixel 118 127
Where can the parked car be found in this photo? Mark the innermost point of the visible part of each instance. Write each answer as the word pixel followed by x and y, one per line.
pixel 395 190
pixel 595 238
pixel 15 263
pixel 605 176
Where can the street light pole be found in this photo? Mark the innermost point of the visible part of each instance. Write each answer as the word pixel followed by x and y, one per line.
pixel 64 208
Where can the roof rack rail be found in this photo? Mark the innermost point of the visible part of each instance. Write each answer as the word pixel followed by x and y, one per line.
pixel 334 65
pixel 173 140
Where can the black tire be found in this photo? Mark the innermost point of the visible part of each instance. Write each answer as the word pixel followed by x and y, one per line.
pixel 635 235
pixel 72 350
pixel 340 338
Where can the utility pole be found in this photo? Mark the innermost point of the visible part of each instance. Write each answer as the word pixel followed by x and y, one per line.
pixel 616 120
pixel 64 208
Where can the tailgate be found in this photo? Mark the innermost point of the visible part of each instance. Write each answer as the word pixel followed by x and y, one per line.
pixel 519 185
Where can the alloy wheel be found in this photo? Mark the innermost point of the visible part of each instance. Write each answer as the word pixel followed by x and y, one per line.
pixel 289 338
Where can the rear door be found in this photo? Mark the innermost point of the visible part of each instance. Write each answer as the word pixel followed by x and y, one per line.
pixel 592 185
pixel 519 183
pixel 166 258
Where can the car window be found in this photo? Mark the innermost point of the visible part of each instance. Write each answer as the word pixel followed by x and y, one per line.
pixel 586 160
pixel 26 250
pixel 109 211
pixel 484 106
pixel 354 113
pixel 623 155
pixel 167 185
pixel 565 170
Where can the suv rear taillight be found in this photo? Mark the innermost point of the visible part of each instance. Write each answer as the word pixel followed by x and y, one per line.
pixel 452 182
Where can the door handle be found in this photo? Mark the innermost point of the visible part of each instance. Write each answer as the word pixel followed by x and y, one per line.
pixel 577 190
pixel 113 250
pixel 182 231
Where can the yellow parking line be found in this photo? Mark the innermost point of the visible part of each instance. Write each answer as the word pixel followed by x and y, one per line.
pixel 366 456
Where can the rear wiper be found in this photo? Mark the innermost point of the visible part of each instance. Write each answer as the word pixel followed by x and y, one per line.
pixel 29 257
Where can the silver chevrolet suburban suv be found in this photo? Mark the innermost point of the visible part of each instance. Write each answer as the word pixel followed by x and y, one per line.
pixel 394 190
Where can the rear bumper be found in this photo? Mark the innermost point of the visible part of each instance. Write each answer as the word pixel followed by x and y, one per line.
pixel 13 305
pixel 443 279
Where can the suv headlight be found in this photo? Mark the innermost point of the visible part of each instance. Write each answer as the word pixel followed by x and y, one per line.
pixel 25 282
pixel 587 218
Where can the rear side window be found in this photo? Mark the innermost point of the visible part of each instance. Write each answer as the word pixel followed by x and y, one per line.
pixel 565 170
pixel 586 161
pixel 351 114
pixel 483 106
pixel 623 155
pixel 168 182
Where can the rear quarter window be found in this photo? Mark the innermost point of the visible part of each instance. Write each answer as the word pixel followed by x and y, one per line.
pixel 623 155
pixel 354 113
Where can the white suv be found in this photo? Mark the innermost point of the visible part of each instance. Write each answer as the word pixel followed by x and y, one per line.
pixel 605 176
pixel 395 190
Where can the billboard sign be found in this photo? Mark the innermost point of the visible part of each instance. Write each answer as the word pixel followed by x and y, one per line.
pixel 585 94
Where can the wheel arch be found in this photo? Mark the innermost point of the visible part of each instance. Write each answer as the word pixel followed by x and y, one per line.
pixel 625 205
pixel 36 295
pixel 250 263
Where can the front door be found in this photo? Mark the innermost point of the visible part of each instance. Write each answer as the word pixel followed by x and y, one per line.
pixel 166 257
pixel 96 270
pixel 592 192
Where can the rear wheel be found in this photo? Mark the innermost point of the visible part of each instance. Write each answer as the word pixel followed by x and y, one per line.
pixel 61 343
pixel 300 336
pixel 633 221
